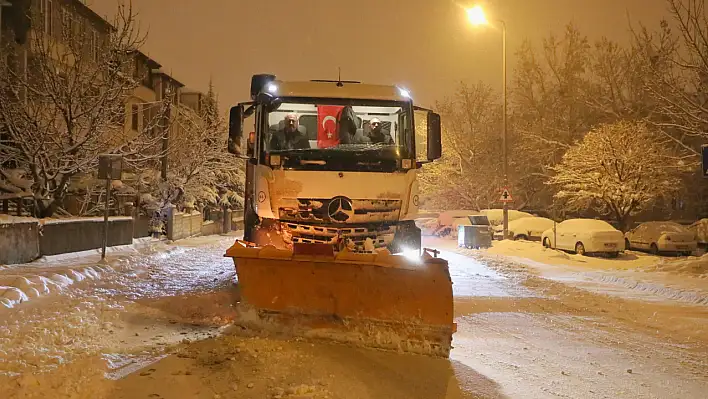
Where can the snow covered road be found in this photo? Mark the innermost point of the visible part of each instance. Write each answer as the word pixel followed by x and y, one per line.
pixel 152 323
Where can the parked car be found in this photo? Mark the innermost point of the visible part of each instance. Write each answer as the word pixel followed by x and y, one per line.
pixel 496 216
pixel 528 228
pixel 661 237
pixel 700 230
pixel 585 236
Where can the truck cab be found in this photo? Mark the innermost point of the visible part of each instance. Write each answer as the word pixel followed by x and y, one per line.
pixel 318 173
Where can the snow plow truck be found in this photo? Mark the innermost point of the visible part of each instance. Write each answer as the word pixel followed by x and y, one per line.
pixel 330 246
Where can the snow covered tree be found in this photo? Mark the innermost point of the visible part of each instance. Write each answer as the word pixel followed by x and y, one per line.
pixel 617 169
pixel 678 68
pixel 469 173
pixel 199 163
pixel 548 107
pixel 67 104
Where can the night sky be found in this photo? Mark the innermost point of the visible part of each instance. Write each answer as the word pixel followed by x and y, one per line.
pixel 425 45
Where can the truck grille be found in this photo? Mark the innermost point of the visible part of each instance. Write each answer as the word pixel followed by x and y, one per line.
pixel 312 234
pixel 341 210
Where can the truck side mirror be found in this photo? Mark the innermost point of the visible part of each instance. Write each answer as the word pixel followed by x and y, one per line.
pixel 434 137
pixel 235 129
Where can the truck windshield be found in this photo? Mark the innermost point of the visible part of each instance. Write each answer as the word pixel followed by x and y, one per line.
pixel 332 128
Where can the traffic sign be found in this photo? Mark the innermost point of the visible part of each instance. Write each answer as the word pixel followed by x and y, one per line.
pixel 704 150
pixel 506 196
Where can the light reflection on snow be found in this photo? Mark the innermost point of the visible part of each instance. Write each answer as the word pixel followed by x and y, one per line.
pixel 473 278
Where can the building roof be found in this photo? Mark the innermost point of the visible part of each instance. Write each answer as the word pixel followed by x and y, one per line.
pixel 151 63
pixel 82 7
pixel 346 90
pixel 161 72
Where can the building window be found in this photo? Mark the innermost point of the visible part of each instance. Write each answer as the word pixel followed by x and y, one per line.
pixel 45 10
pixel 135 117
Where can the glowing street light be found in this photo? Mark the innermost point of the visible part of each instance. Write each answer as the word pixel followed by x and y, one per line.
pixel 477 17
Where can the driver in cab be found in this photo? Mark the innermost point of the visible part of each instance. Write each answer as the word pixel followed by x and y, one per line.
pixel 377 134
pixel 289 137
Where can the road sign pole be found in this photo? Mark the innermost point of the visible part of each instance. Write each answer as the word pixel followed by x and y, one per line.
pixel 110 167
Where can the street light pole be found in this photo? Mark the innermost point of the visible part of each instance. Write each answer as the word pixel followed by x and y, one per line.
pixel 504 138
pixel 476 17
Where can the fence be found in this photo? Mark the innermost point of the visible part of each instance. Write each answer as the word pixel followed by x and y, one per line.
pixel 19 240
pixel 73 235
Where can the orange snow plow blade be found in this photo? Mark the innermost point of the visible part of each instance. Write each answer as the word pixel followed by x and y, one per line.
pixel 373 300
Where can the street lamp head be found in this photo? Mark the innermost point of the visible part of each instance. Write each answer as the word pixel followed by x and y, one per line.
pixel 476 16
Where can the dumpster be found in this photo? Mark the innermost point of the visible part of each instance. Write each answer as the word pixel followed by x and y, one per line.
pixel 477 234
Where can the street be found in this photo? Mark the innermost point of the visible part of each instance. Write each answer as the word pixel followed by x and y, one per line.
pixel 154 323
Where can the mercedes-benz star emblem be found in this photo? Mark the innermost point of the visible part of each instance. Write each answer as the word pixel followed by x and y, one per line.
pixel 340 209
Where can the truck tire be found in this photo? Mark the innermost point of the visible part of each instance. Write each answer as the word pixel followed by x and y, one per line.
pixel 407 237
pixel 250 222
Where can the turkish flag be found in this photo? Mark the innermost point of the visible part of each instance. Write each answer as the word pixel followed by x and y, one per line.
pixel 327 117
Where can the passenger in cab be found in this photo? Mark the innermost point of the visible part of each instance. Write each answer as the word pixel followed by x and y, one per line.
pixel 289 137
pixel 349 133
pixel 377 134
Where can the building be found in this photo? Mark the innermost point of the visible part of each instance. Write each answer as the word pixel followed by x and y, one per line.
pixel 65 23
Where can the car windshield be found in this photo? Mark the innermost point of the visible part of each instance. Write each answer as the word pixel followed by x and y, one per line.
pixel 298 127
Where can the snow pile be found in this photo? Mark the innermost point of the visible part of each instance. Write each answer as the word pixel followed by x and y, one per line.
pixel 9 219
pixel 14 291
pixel 534 254
pixel 691 266
pixel 82 219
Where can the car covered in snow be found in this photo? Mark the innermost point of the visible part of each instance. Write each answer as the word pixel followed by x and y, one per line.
pixel 585 236
pixel 661 237
pixel 528 228
pixel 496 216
pixel 700 231
pixel 449 220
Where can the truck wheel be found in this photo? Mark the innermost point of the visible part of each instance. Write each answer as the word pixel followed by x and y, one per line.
pixel 407 237
pixel 250 222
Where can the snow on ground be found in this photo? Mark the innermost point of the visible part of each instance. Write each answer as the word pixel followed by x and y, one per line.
pixel 632 274
pixel 67 306
pixel 158 326
pixel 54 274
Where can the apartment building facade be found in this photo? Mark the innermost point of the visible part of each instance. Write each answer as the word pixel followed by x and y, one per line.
pixel 67 22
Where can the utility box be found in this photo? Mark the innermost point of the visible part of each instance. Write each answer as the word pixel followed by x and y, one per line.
pixel 476 235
